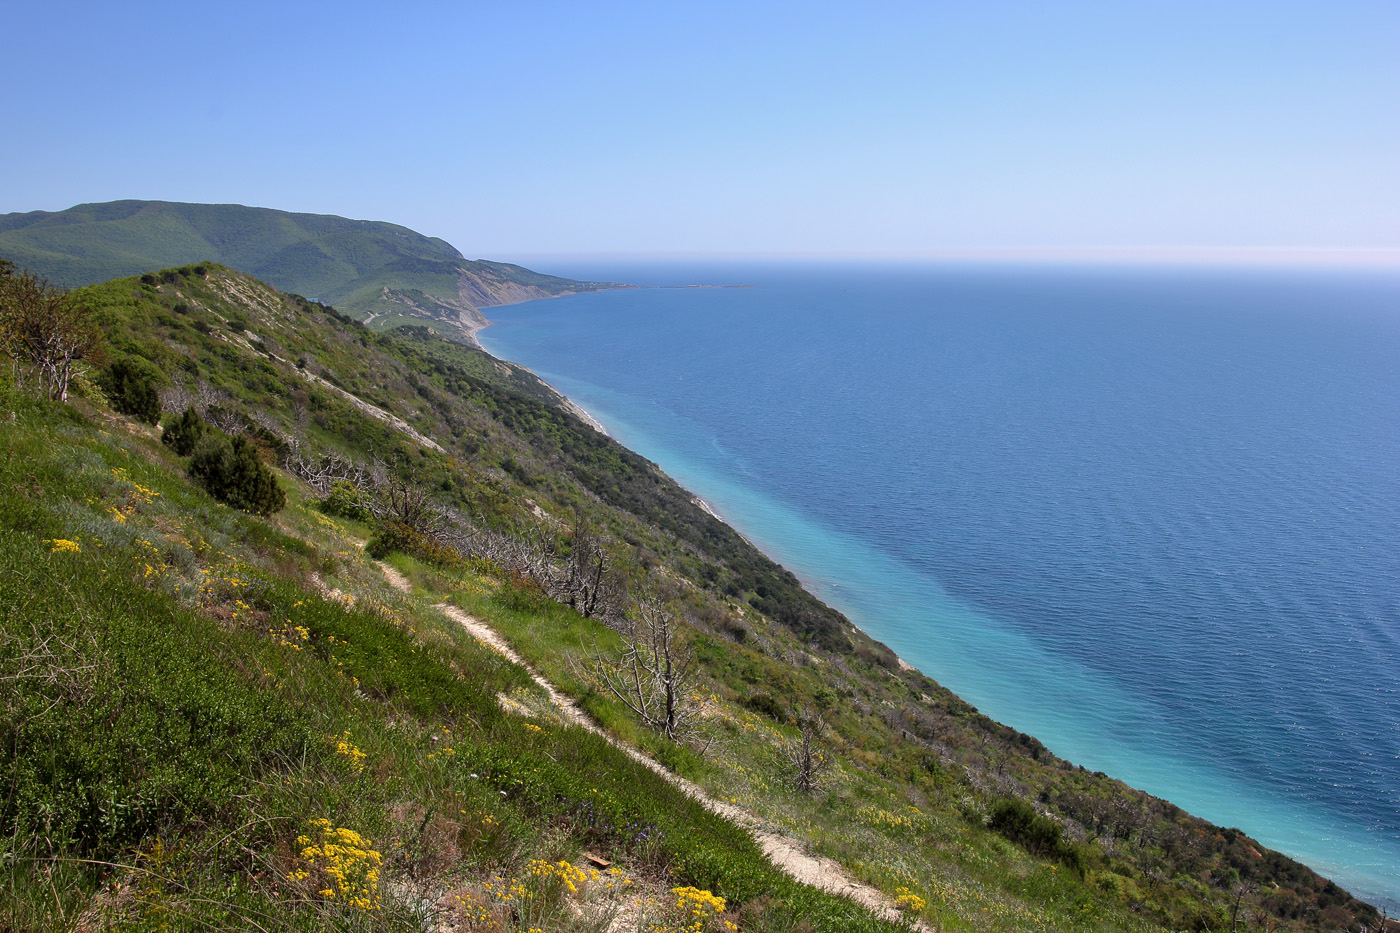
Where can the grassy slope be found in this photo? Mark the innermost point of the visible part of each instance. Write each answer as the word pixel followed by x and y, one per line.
pixel 917 770
pixel 182 704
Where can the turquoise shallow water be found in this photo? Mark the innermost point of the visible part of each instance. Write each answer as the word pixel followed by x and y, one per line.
pixel 1145 515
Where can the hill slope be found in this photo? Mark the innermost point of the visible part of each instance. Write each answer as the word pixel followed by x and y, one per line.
pixel 371 270
pixel 195 702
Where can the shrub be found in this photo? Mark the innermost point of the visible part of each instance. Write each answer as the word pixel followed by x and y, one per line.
pixel 396 536
pixel 232 473
pixel 130 385
pixel 183 433
pixel 345 500
pixel 1017 820
pixel 390 538
pixel 765 703
pixel 50 337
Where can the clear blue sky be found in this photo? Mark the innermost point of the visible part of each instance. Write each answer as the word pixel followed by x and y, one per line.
pixel 530 128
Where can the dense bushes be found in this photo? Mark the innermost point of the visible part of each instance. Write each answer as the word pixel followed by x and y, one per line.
pixel 123 716
pixel 230 471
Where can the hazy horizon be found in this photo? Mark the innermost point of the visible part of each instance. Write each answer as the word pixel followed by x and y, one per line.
pixel 1244 257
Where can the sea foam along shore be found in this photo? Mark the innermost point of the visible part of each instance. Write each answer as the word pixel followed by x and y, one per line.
pixel 581 414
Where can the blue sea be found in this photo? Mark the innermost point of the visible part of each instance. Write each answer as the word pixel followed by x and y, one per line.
pixel 1150 515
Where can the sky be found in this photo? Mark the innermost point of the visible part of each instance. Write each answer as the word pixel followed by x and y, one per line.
pixel 534 128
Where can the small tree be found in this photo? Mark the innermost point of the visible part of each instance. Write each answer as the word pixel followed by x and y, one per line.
pixel 130 384
pixel 404 501
pixel 232 472
pixel 51 338
pixel 183 433
pixel 655 673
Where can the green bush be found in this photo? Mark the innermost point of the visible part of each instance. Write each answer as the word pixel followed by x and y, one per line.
pixel 766 704
pixel 181 434
pixel 346 501
pixel 390 538
pixel 1040 836
pixel 232 473
pixel 130 385
pixel 396 536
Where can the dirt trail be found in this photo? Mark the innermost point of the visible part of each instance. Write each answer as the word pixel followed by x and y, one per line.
pixel 786 854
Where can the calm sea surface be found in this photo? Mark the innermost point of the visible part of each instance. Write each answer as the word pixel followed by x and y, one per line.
pixel 1150 516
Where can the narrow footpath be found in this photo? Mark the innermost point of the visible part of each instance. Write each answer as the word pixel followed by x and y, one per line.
pixel 786 854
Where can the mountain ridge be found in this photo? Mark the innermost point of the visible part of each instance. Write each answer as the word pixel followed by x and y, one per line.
pixel 376 271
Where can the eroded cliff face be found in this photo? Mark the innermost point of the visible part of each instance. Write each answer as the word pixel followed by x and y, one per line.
pixel 475 290
pixel 477 284
pixel 484 288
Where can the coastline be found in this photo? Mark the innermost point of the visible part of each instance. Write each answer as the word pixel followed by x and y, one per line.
pixel 1324 863
pixel 471 320
pixel 578 411
pixel 581 414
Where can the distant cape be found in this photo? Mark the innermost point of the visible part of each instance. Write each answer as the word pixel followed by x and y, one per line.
pixel 378 272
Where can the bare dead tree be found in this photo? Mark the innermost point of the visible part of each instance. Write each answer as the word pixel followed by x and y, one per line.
pixel 804 756
pixel 457 531
pixel 176 397
pixel 1266 921
pixel 207 397
pixel 409 504
pixel 527 552
pixel 269 423
pixel 226 418
pixel 589 582
pixel 203 398
pixel 655 673
pixel 1239 891
pixel 322 471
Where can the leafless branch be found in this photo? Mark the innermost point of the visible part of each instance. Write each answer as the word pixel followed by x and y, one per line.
pixel 655 674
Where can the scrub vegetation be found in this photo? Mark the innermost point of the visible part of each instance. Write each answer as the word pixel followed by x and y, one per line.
pixel 217 713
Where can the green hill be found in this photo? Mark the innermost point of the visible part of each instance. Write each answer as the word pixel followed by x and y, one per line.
pixel 215 720
pixel 369 269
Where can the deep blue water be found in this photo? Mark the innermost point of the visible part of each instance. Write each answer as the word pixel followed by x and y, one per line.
pixel 1149 516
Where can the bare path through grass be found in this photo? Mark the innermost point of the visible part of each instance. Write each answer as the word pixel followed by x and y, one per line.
pixel 786 854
